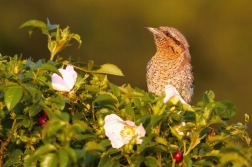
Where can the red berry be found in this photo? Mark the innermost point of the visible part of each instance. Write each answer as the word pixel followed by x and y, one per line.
pixel 178 156
pixel 42 120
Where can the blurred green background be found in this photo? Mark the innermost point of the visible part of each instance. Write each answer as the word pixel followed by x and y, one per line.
pixel 219 34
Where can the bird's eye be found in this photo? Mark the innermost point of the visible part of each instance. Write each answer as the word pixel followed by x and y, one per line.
pixel 167 34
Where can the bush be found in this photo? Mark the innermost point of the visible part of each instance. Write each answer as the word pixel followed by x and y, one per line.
pixel 45 123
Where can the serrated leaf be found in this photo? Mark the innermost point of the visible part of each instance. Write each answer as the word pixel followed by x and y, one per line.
pixel 110 69
pixel 34 23
pixel 12 96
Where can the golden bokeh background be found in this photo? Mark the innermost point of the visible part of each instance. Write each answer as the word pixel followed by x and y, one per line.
pixel 219 34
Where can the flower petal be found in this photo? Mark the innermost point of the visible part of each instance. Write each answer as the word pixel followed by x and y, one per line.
pixel 66 83
pixel 59 84
pixel 121 132
pixel 141 133
pixel 171 91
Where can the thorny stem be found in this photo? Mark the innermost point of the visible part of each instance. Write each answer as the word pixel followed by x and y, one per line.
pixel 6 142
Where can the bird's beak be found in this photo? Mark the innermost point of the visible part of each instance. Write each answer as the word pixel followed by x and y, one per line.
pixel 155 31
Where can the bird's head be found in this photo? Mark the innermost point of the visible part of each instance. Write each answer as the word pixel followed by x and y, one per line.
pixel 169 38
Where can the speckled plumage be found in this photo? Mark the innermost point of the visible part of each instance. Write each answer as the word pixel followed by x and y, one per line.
pixel 171 64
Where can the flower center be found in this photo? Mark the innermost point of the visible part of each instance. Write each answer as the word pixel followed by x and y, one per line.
pixel 127 130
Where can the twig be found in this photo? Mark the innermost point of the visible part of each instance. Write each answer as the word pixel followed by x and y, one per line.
pixel 6 142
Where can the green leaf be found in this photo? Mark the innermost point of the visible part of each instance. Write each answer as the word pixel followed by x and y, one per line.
pixel 106 97
pixel 188 161
pixel 130 113
pixel 155 119
pixel 145 144
pixel 225 109
pixel 34 23
pixel 78 116
pixel 12 161
pixel 150 161
pixel 93 146
pixel 110 69
pixel 26 122
pixel 116 164
pixel 105 143
pixel 34 109
pixel 137 160
pixel 49 68
pixel 14 158
pixel 12 96
pixel 64 116
pixel 52 127
pixel 105 161
pixel 208 97
pixel 115 90
pixel 203 162
pixel 44 150
pixel 161 140
pixel 77 38
pixel 63 158
pixel 49 159
pixel 113 150
pixel 71 153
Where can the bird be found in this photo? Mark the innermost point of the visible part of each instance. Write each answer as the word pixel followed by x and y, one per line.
pixel 171 63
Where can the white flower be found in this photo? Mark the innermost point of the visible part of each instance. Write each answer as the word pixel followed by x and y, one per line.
pixel 66 83
pixel 120 132
pixel 171 91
